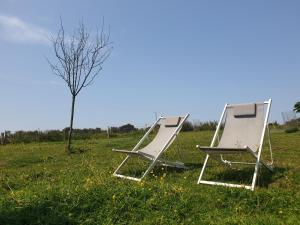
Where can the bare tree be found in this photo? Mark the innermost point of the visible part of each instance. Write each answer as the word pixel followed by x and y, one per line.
pixel 79 59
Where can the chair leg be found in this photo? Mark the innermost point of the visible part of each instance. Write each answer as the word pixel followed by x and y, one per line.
pixel 149 168
pixel 203 168
pixel 270 146
pixel 122 163
pixel 254 179
pixel 129 177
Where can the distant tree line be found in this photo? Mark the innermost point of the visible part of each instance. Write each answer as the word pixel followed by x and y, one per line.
pixel 48 135
pixel 90 133
pixel 199 126
pixel 62 135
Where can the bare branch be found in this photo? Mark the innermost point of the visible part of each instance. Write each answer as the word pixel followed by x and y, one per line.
pixel 80 59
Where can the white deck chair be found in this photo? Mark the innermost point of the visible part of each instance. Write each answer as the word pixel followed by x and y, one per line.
pixel 244 131
pixel 167 133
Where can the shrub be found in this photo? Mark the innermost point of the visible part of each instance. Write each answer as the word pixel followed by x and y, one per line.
pixel 127 128
pixel 210 125
pixel 187 126
pixel 291 130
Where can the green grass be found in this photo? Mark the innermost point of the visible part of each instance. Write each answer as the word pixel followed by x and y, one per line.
pixel 41 184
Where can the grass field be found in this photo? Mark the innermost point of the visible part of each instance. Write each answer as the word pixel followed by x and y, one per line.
pixel 41 184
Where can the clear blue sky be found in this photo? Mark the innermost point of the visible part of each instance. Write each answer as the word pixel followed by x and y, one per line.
pixel 170 57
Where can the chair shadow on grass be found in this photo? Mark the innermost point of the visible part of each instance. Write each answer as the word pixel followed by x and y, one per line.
pixel 160 170
pixel 236 174
pixel 244 175
pixel 157 171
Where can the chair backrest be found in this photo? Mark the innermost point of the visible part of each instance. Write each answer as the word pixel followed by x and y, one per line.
pixel 244 124
pixel 165 134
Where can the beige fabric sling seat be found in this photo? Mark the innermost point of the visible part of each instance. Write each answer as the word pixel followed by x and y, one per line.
pixel 244 130
pixel 167 133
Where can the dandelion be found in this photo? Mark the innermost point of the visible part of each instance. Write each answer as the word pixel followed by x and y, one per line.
pixel 88 183
pixel 178 189
pixel 114 198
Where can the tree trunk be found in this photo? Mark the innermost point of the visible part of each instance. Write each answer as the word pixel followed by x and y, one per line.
pixel 71 126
